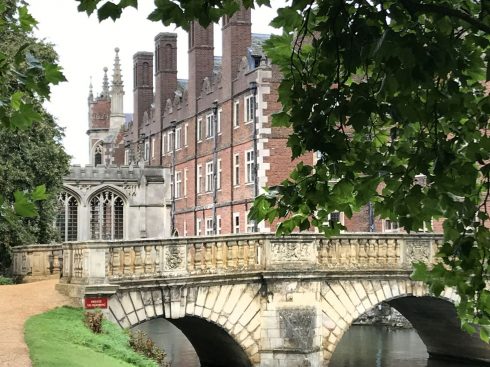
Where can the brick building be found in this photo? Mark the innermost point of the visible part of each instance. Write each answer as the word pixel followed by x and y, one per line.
pixel 213 131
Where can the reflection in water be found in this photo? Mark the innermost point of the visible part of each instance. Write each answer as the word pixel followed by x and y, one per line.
pixel 180 352
pixel 377 346
pixel 361 346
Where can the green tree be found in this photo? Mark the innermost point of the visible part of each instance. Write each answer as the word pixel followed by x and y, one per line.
pixel 33 160
pixel 384 91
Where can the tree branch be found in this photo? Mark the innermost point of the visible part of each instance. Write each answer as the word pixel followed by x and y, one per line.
pixel 412 5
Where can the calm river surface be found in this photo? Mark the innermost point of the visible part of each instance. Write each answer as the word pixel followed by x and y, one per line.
pixel 361 346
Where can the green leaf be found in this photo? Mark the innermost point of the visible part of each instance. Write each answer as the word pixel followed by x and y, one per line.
pixel 23 206
pixel 24 116
pixel 53 74
pixel 27 22
pixel 485 333
pixel 39 193
pixel 16 99
pixel 419 272
pixel 109 10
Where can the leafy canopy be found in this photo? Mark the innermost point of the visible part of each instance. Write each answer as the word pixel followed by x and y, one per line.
pixel 391 94
pixel 32 156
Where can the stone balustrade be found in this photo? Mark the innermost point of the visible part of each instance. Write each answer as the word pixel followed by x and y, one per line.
pixel 95 262
pixel 37 262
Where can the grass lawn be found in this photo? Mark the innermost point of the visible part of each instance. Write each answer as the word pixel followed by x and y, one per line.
pixel 59 338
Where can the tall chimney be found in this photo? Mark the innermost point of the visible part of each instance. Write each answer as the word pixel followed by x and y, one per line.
pixel 237 37
pixel 201 59
pixel 143 87
pixel 165 70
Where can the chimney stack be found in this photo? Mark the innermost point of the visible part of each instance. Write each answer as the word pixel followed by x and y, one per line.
pixel 142 87
pixel 201 59
pixel 237 38
pixel 165 70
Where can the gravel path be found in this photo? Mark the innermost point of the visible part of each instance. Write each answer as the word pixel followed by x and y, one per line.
pixel 18 303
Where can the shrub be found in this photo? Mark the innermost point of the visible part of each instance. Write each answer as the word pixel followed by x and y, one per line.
pixel 142 344
pixel 93 320
pixel 5 280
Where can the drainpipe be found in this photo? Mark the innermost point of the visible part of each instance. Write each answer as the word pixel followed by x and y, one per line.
pixel 372 227
pixel 253 88
pixel 215 165
pixel 172 223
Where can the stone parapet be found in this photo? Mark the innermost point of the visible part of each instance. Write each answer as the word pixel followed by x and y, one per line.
pixel 37 262
pixel 93 262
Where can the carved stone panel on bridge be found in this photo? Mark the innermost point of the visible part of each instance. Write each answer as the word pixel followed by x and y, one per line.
pixel 174 258
pixel 297 328
pixel 292 253
pixel 417 250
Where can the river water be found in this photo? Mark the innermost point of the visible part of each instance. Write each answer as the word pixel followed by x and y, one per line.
pixel 361 346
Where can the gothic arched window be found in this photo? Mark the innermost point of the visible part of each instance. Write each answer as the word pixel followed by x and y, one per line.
pixel 98 155
pixel 67 219
pixel 106 216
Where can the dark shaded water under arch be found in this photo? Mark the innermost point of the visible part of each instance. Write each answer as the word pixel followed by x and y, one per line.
pixel 361 346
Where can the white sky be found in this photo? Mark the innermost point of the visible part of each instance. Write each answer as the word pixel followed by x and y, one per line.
pixel 85 46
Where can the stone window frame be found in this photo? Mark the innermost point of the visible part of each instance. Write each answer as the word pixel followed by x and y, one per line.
pixel 249 166
pixel 199 130
pixel 68 216
pixel 112 215
pixel 198 226
pixel 209 126
pixel 236 169
pixel 209 226
pixel 236 114
pixel 178 138
pixel 209 182
pixel 249 110
pixel 178 184
pixel 236 226
pixel 199 179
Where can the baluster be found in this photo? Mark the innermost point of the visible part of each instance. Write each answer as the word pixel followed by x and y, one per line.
pixel 382 252
pixel 127 263
pixel 116 261
pixel 344 259
pixel 322 253
pixel 391 252
pixel 231 263
pixel 149 259
pixel 398 252
pixel 138 260
pixel 208 256
pixel 219 255
pixel 198 257
pixel 354 245
pixel 251 253
pixel 258 253
pixel 191 257
pixel 373 252
pixel 240 253
pixel 363 256
pixel 158 256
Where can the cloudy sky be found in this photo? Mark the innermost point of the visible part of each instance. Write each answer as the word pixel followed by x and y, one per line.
pixel 85 46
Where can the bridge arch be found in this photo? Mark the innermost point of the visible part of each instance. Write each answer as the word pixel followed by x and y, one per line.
pixel 434 318
pixel 222 322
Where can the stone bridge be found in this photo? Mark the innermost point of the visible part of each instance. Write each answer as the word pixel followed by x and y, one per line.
pixel 259 300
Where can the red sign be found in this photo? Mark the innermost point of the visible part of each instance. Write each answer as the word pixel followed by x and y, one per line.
pixel 96 302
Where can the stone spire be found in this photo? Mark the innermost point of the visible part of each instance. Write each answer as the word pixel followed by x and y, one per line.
pixel 117 83
pixel 105 85
pixel 117 94
pixel 90 91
